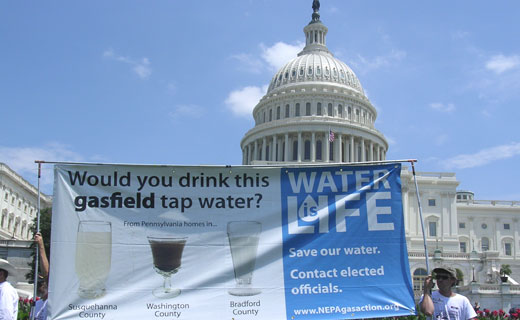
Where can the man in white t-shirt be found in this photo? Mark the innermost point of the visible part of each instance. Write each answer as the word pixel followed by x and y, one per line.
pixel 444 304
pixel 8 294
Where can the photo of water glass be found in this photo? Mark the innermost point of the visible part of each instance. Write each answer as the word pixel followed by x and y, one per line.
pixel 243 239
pixel 167 256
pixel 93 257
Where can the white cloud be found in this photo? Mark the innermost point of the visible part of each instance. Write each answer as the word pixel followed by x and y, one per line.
pixel 242 102
pixel 22 160
pixel 501 63
pixel 192 111
pixel 270 58
pixel 140 67
pixel 249 62
pixel 280 53
pixel 438 106
pixel 368 64
pixel 483 157
pixel 391 141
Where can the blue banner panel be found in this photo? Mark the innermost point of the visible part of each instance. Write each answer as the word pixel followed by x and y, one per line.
pixel 344 247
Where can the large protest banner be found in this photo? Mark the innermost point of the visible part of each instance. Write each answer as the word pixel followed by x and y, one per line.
pixel 181 242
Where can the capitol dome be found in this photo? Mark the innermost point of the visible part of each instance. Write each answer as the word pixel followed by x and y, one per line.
pixel 319 67
pixel 315 110
pixel 315 65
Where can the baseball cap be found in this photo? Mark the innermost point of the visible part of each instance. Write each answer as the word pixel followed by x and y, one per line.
pixel 445 269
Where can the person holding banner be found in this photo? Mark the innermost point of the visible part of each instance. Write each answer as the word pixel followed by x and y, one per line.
pixel 8 294
pixel 444 303
pixel 40 306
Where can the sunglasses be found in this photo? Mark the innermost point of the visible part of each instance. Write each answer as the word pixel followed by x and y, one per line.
pixel 442 277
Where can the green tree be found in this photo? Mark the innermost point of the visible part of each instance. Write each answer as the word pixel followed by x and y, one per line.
pixel 45 230
pixel 460 276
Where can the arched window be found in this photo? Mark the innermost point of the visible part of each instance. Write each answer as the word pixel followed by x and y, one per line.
pixel 307 150
pixel 432 229
pixel 308 109
pixel 507 246
pixel 418 279
pixel 287 109
pixel 463 246
pixel 295 150
pixel 297 110
pixel 270 114
pixel 278 113
pixel 485 244
pixel 340 111
pixel 319 150
pixel 329 110
pixel 318 109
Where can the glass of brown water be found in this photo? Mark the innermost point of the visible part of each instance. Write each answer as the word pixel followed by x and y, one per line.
pixel 167 254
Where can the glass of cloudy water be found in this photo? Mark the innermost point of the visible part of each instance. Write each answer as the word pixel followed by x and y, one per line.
pixel 93 257
pixel 167 256
pixel 243 239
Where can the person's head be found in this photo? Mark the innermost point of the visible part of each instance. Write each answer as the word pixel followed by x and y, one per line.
pixel 6 269
pixel 42 288
pixel 446 277
pixel 3 275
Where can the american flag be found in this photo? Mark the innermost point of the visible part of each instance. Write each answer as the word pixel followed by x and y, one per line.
pixel 331 136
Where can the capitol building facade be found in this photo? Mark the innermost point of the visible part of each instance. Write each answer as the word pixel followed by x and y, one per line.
pixel 315 111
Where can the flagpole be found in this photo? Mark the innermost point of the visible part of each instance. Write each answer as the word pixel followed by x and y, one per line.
pixel 36 266
pixel 421 217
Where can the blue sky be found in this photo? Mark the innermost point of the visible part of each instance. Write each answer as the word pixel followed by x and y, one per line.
pixel 173 82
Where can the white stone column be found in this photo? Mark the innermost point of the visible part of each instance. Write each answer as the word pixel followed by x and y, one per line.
pixel 264 148
pixel 472 237
pixel 515 226
pixel 273 153
pixel 406 211
pixel 313 147
pixel 377 152
pixel 351 151
pixel 250 156
pixel 286 151
pixel 299 146
pixel 327 147
pixel 255 151
pixel 498 244
pixel 340 147
pixel 363 150
pixel 371 152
